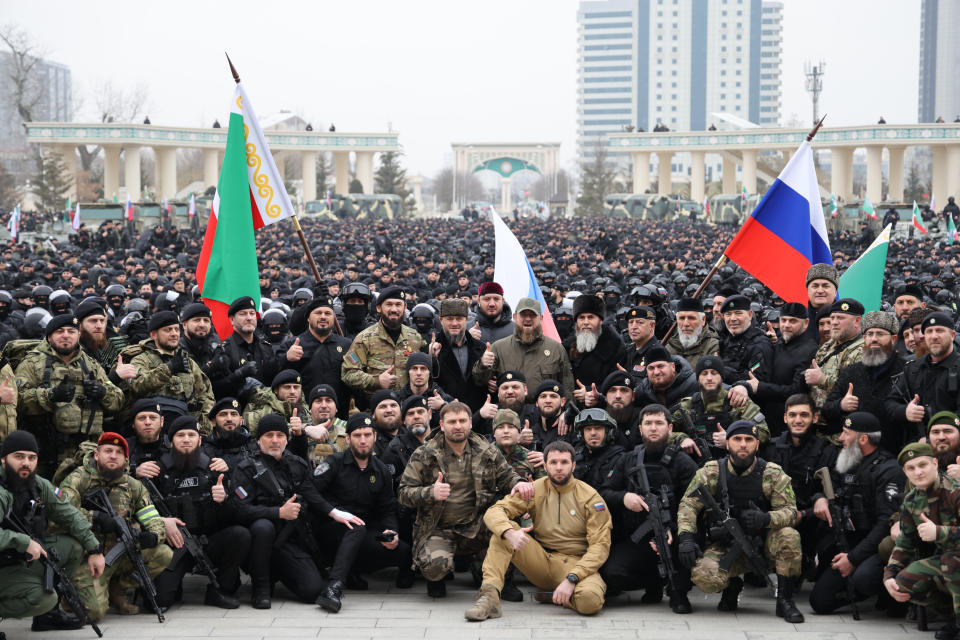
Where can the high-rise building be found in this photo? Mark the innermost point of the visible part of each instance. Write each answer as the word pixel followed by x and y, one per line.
pixel 939 60
pixel 675 63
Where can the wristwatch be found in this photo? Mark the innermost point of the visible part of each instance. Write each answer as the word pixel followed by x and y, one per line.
pixel 572 578
pixel 98 550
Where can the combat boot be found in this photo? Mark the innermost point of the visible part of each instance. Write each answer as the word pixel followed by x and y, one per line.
pixel 680 603
pixel 437 588
pixel 260 594
pixel 119 601
pixel 216 598
pixel 786 607
pixel 55 620
pixel 329 598
pixel 949 631
pixel 510 592
pixel 487 604
pixel 730 598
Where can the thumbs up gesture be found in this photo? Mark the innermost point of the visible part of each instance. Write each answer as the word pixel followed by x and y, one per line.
pixel 475 331
pixel 434 346
pixel 580 393
pixel 849 402
pixel 295 352
pixel 296 424
pixel 387 379
pixel 125 371
pixel 592 398
pixel 927 529
pixel 218 492
pixel 290 510
pixel 814 374
pixel 441 490
pixel 753 382
pixel 8 394
pixel 526 434
pixel 720 437
pixel 914 412
pixel 489 358
pixel 488 410
pixel 435 402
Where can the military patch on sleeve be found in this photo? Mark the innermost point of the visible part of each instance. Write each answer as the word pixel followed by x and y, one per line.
pixel 754 367
pixel 58 493
pixel 241 492
pixel 892 491
pixel 610 473
pixel 599 506
pixel 322 468
pixel 352 358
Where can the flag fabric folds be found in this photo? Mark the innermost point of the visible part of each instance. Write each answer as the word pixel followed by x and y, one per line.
pixel 786 234
pixel 952 235
pixel 75 222
pixel 13 225
pixel 868 209
pixel 863 280
pixel 129 209
pixel 917 221
pixel 513 272
pixel 192 210
pixel 834 209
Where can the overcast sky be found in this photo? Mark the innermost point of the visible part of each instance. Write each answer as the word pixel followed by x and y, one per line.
pixel 437 71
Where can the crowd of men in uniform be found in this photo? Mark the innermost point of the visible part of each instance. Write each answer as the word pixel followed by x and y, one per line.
pixel 343 427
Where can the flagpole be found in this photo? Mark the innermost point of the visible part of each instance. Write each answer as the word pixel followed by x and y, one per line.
pixel 723 258
pixel 296 222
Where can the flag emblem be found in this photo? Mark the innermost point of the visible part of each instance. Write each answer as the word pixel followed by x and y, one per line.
pixel 240 491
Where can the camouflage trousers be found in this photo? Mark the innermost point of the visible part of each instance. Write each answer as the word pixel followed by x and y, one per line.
pixel 21 586
pixel 781 547
pixel 928 580
pixel 95 592
pixel 435 556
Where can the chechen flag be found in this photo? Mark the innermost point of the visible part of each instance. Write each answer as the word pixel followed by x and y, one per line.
pixel 250 194
pixel 786 234
pixel 513 272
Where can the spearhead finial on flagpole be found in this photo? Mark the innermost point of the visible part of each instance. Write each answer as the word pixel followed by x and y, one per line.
pixel 236 76
pixel 809 135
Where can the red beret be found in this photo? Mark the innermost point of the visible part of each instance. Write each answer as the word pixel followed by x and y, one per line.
pixel 490 287
pixel 109 437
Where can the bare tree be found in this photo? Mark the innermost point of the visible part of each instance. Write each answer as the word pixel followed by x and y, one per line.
pixel 114 105
pixel 24 56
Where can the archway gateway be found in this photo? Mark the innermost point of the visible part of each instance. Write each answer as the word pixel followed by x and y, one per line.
pixel 505 159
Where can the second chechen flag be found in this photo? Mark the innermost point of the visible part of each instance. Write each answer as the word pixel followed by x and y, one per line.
pixel 786 234
pixel 250 194
pixel 863 281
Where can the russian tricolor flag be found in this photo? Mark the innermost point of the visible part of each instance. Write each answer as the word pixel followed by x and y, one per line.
pixel 513 272
pixel 786 234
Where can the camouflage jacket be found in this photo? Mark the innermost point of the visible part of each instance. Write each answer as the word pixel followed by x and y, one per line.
pixel 264 401
pixel 335 443
pixel 42 369
pixel 542 359
pixel 8 412
pixel 707 344
pixel 517 458
pixel 57 510
pixel 699 411
pixel 775 485
pixel 130 499
pixel 373 351
pixel 492 478
pixel 940 503
pixel 154 379
pixel 832 357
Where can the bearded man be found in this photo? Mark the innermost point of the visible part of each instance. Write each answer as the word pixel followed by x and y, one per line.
pixel 693 338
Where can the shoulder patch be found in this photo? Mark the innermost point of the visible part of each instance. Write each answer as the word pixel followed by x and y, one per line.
pixel 57 492
pixel 599 506
pixel 352 358
pixel 322 468
pixel 241 493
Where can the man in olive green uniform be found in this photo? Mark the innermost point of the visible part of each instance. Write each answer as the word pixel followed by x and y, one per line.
pixel 450 481
pixel 568 543
pixel 34 502
pixel 8 399
pixel 163 368
pixel 506 437
pixel 284 397
pixel 845 347
pixel 105 468
pixel 377 359
pixel 327 432
pixel 758 494
pixel 929 521
pixel 63 393
pixel 95 337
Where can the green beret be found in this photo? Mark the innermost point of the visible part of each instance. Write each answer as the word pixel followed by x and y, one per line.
pixel 914 450
pixel 944 417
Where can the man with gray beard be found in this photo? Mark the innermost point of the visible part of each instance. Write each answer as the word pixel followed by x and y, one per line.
pixel 595 348
pixel 868 482
pixel 693 338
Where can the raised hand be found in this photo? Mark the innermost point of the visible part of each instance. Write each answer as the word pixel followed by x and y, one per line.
pixel 218 492
pixel 489 358
pixel 441 490
pixel 387 379
pixel 125 371
pixel 295 352
pixel 849 402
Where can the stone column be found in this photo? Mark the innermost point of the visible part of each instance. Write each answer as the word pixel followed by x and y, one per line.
pixel 341 172
pixel 506 200
pixel 416 184
pixel 939 187
pixel 72 161
pixel 365 170
pixel 875 174
pixel 167 170
pixel 111 171
pixel 131 172
pixel 841 172
pixel 211 167
pixel 308 172
pixel 697 176
pixel 953 172
pixel 895 179
pixel 729 175
pixel 664 177
pixel 641 171
pixel 748 172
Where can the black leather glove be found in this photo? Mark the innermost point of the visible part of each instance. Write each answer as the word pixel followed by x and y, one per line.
pixel 250 369
pixel 103 522
pixel 148 539
pixel 63 392
pixel 688 550
pixel 754 519
pixel 179 363
pixel 94 390
pixel 719 534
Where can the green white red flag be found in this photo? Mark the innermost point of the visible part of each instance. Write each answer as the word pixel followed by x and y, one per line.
pixel 868 209
pixel 917 222
pixel 834 209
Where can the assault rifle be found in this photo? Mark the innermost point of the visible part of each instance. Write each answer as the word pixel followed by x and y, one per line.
pixel 841 524
pixel 657 520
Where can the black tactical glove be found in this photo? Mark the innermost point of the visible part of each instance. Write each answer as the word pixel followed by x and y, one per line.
pixel 250 369
pixel 719 534
pixel 94 390
pixel 63 392
pixel 103 522
pixel 148 539
pixel 754 519
pixel 179 363
pixel 688 550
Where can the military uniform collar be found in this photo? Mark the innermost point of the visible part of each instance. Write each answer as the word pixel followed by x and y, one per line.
pixel 734 470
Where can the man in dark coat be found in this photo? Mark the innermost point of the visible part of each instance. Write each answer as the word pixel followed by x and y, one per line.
pixel 745 349
pixel 594 348
pixel 669 380
pixel 454 351
pixel 318 352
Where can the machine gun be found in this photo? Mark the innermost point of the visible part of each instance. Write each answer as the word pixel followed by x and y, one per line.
pixel 706 453
pixel 657 521
pixel 54 577
pixel 191 543
pixel 742 546
pixel 841 524
pixel 126 545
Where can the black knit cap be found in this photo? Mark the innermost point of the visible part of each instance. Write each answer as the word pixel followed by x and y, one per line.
pixel 322 391
pixel 19 440
pixel 710 362
pixel 272 422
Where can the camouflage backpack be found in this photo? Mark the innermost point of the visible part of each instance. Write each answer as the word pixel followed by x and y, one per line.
pixel 16 350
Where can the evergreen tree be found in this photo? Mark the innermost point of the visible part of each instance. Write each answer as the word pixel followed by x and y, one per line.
pixel 596 181
pixel 914 189
pixel 390 176
pixel 324 169
pixel 355 186
pixel 52 182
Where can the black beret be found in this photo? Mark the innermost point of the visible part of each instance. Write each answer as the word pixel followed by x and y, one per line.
pixel 690 304
pixel 914 290
pixel 937 318
pixel 181 423
pixel 391 292
pixel 322 391
pixel 643 312
pixel 287 376
pixel 412 403
pixel 511 376
pixel 588 303
pixel 222 405
pixel 616 379
pixel 162 319
pixel 549 385
pixel 745 427
pixel 57 322
pixel 710 362
pixel 316 303
pixel 735 303
pixel 794 310
pixel 89 308
pixel 848 306
pixel 19 440
pixel 359 421
pixel 195 310
pixel 657 354
pixel 862 421
pixel 272 422
pixel 419 357
pixel 146 404
pixel 246 302
pixel 381 395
